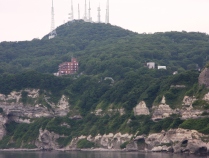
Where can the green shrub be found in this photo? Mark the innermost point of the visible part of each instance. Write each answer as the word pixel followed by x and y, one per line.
pixel 64 141
pixel 200 124
pixel 123 146
pixel 84 143
pixel 200 104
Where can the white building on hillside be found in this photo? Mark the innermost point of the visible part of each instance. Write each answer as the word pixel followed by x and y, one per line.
pixel 161 67
pixel 151 65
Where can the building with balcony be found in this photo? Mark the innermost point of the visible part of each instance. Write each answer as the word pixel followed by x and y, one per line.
pixel 68 68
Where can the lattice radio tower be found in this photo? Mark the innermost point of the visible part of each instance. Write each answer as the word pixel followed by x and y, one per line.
pixel 78 11
pixel 85 13
pixel 53 31
pixel 99 14
pixel 90 19
pixel 107 13
pixel 72 12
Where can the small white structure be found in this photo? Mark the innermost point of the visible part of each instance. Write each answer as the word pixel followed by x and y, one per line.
pixel 56 74
pixel 151 65
pixel 161 67
pixel 175 72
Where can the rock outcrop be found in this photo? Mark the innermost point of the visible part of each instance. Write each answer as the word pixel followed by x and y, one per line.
pixel 3 121
pixel 100 112
pixel 162 111
pixel 190 113
pixel 47 140
pixel 204 77
pixel 110 141
pixel 178 141
pixel 141 109
pixel 188 101
pixel 13 107
pixel 175 140
pixel 206 97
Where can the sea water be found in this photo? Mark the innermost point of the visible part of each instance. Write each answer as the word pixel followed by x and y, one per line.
pixel 91 154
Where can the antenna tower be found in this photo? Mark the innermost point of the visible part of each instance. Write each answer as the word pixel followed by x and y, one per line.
pixel 107 13
pixel 53 31
pixel 71 14
pixel 85 13
pixel 90 19
pixel 78 11
pixel 99 15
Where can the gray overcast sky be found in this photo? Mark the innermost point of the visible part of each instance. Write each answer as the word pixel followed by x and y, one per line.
pixel 27 19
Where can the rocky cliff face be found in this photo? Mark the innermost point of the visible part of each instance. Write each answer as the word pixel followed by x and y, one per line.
pixel 174 140
pixel 204 78
pixel 110 141
pixel 141 109
pixel 3 121
pixel 47 140
pixel 14 109
pixel 178 140
pixel 162 111
pixel 187 111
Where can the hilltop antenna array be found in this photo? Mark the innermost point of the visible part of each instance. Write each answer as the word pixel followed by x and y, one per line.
pixel 107 13
pixel 53 31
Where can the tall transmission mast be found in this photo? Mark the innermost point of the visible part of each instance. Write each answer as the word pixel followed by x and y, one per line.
pixel 99 15
pixel 90 19
pixel 71 14
pixel 107 13
pixel 85 13
pixel 53 31
pixel 78 12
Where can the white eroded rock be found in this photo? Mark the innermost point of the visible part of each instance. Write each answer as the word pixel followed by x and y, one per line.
pixel 47 140
pixel 109 141
pixel 179 139
pixel 206 97
pixel 63 103
pixel 188 101
pixel 162 111
pixel 3 121
pixel 114 111
pixel 141 109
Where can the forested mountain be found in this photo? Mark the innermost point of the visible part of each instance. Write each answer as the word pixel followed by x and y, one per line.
pixel 106 46
pixel 103 51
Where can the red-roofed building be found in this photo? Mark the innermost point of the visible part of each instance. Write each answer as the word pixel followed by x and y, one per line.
pixel 67 68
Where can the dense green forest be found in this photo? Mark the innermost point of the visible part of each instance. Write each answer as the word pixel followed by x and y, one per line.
pixel 103 51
